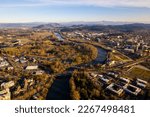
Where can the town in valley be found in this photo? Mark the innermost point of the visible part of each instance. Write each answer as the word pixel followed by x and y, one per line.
pixel 75 62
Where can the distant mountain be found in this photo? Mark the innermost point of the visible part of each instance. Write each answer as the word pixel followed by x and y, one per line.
pixel 68 24
pixel 18 25
pixel 139 25
pixel 45 26
pixel 111 28
pixel 42 25
pixel 95 23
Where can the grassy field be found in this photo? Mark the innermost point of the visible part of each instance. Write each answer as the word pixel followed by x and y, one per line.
pixel 119 56
pixel 140 73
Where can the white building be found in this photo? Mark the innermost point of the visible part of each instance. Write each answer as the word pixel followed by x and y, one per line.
pixel 124 80
pixel 32 67
pixel 133 89
pixel 115 89
pixel 141 83
pixel 40 72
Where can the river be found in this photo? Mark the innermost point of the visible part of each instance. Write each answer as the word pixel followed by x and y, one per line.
pixel 59 36
pixel 101 57
pixel 60 88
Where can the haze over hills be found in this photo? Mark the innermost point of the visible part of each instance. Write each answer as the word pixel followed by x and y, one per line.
pixel 17 25
pixel 82 23
pixel 97 23
pixel 48 25
pixel 105 28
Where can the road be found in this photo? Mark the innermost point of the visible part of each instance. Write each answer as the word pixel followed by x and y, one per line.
pixel 132 63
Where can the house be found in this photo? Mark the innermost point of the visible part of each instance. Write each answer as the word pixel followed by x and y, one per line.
pixel 32 67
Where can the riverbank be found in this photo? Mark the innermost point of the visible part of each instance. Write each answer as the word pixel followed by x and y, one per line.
pixel 60 89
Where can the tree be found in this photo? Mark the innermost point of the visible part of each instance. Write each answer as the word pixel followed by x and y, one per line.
pixel 76 95
pixel 78 60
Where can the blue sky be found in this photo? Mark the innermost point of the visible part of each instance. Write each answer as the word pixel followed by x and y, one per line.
pixel 74 10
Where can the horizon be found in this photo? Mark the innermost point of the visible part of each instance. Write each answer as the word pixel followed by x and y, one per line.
pixel 62 11
pixel 77 22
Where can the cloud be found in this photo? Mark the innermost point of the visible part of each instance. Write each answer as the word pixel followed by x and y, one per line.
pixel 105 3
pixel 102 3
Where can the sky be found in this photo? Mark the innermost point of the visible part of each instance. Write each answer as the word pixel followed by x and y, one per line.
pixel 21 11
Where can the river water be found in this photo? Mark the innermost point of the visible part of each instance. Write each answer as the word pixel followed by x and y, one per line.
pixel 59 36
pixel 60 88
pixel 101 57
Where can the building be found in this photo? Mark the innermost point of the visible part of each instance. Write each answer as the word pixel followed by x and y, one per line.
pixel 115 89
pixel 141 83
pixel 39 72
pixel 112 74
pixel 125 80
pixel 132 90
pixel 129 50
pixel 105 79
pixel 32 67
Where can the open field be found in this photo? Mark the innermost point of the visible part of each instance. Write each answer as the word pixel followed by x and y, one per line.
pixel 140 73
